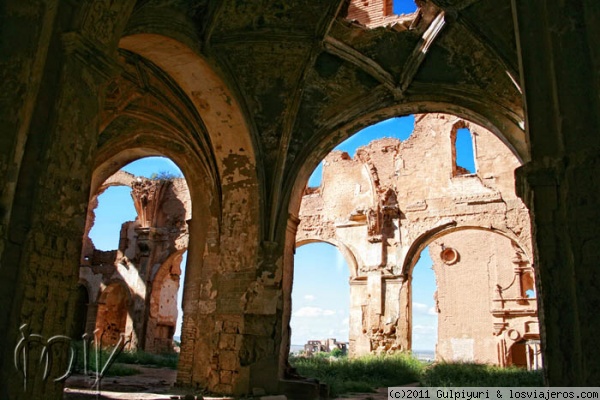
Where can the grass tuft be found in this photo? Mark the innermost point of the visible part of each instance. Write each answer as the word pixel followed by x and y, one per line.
pixel 365 374
pixel 168 360
pixel 471 374
pixel 362 374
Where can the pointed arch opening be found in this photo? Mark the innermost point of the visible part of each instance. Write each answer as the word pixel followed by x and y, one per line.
pixel 383 199
pixel 146 255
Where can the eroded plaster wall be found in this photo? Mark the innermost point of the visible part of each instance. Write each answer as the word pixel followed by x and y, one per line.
pixel 387 203
pixel 485 299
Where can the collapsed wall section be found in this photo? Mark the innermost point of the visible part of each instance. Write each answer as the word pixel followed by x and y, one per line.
pixel 391 200
pixel 133 289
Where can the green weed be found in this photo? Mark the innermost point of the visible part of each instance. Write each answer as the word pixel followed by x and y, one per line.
pixel 141 358
pixel 470 374
pixel 362 374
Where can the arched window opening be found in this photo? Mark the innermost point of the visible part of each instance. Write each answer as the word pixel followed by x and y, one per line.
pixel 149 201
pixel 463 152
pixel 390 198
pixel 424 308
pixel 320 300
pixel 526 354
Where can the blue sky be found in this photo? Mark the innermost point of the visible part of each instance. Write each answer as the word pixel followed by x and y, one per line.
pixel 321 293
pixel 404 6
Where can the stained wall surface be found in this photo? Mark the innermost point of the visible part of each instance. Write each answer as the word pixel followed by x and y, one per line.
pixel 383 206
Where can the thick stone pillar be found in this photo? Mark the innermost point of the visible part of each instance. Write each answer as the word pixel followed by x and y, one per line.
pixel 22 61
pixel 287 282
pixel 48 216
pixel 40 260
pixel 559 50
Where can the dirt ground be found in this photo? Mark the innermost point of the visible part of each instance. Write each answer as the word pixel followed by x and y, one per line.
pixel 155 384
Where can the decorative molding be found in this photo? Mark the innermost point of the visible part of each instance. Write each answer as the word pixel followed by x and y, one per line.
pixel 481 198
pixel 418 206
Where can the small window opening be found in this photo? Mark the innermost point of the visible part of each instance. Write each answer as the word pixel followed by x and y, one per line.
pixel 464 157
pixel 404 7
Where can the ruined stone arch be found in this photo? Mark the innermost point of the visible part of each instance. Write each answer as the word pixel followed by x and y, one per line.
pixel 56 76
pixel 419 219
pixel 349 255
pixel 163 322
pixel 120 178
pixel 446 227
pixel 214 148
pixel 494 287
pixel 507 126
pixel 230 136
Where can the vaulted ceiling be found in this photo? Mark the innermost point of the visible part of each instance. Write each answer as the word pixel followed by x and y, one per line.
pixel 306 77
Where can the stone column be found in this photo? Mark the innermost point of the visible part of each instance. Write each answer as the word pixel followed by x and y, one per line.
pixel 559 54
pixel 47 213
pixel 48 216
pixel 286 288
pixel 359 340
pixel 22 61
pixel 139 307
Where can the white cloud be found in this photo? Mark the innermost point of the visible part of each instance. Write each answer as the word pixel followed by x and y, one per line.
pixel 426 329
pixel 309 297
pixel 346 321
pixel 312 312
pixel 419 306
pixel 432 311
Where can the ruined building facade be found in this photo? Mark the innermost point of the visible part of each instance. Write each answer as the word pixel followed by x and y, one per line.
pixel 247 97
pixel 382 207
pixel 132 291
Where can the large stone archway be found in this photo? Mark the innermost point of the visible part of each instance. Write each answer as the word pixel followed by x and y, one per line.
pixel 391 200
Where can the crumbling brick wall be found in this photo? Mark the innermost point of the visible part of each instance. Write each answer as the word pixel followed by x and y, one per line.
pixel 391 200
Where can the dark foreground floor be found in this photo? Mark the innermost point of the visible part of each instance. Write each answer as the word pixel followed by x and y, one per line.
pixel 154 384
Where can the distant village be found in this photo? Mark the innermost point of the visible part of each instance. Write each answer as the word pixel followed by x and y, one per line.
pixel 329 345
